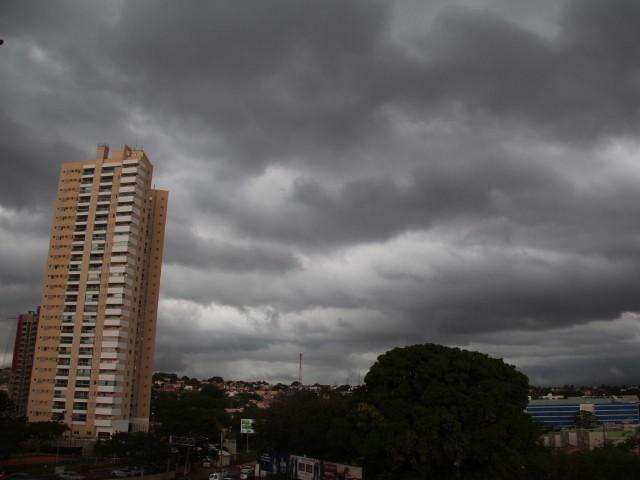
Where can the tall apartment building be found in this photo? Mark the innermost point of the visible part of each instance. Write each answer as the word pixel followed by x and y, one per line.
pixel 23 351
pixel 96 335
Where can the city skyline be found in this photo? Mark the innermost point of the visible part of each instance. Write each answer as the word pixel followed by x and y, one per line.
pixel 348 176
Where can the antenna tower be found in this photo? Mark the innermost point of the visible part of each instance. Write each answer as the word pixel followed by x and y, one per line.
pixel 300 370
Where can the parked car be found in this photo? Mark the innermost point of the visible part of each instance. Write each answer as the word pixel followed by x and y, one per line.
pixel 18 476
pixel 120 472
pixel 126 472
pixel 206 463
pixel 215 476
pixel 71 476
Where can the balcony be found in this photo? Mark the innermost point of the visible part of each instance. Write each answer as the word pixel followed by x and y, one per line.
pixel 112 356
pixel 110 344
pixel 108 388
pixel 110 366
pixel 129 180
pixel 114 335
pixel 119 280
pixel 118 258
pixel 112 400
pixel 107 411
pixel 126 229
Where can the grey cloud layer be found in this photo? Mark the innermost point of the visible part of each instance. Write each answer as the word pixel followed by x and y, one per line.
pixel 347 176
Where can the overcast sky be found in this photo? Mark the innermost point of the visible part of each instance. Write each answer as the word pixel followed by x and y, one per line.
pixel 348 176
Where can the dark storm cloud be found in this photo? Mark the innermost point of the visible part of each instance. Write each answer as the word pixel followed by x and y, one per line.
pixel 579 86
pixel 185 248
pixel 30 165
pixel 347 175
pixel 310 83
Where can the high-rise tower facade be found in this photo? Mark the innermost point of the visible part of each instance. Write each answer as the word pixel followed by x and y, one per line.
pixel 23 353
pixel 96 335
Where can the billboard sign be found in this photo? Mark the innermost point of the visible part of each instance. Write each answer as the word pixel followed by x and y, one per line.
pixel 247 425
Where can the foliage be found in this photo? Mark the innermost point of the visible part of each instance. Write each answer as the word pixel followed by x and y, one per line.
pixel 306 423
pixel 446 413
pixel 426 411
pixel 138 448
pixel 16 434
pixel 605 463
pixel 190 413
pixel 41 434
pixel 586 420
pixel 12 430
pixel 172 377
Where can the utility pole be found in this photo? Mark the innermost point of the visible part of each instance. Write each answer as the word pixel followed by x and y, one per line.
pixel 186 461
pixel 300 370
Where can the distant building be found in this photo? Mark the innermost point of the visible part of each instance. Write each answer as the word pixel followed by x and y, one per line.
pixel 23 351
pixel 572 439
pixel 562 412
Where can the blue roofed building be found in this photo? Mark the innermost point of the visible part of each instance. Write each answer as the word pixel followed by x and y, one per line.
pixel 562 412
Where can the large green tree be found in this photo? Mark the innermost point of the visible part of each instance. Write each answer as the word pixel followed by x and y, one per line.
pixel 306 423
pixel 138 447
pixel 191 413
pixel 429 411
pixel 587 420
pixel 12 430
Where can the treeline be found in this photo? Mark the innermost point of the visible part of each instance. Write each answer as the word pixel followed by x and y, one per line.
pixel 16 435
pixel 429 411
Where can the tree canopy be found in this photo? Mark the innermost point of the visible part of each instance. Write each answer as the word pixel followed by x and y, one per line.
pixel 435 411
pixel 193 413
pixel 425 411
